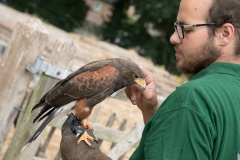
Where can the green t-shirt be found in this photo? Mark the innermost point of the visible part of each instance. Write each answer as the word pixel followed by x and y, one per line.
pixel 199 120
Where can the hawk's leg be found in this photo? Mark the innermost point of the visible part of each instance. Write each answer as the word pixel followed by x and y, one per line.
pixel 86 125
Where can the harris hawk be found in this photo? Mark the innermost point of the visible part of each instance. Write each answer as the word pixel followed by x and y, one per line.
pixel 88 86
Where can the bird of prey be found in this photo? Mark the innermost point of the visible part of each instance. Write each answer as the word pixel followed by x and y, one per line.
pixel 88 86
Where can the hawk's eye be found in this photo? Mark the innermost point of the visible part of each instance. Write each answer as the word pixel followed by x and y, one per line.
pixel 135 76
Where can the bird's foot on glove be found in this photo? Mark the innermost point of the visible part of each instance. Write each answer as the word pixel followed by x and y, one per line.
pixel 71 150
pixel 79 127
pixel 85 137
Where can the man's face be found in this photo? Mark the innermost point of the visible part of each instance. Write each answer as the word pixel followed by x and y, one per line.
pixel 197 50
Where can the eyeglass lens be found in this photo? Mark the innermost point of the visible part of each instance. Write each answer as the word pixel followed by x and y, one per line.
pixel 179 30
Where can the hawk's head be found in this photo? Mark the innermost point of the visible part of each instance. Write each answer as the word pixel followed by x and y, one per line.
pixel 131 73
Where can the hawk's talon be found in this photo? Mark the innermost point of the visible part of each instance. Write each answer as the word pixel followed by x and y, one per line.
pixel 85 138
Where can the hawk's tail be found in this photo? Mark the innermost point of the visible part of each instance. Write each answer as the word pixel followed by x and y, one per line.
pixel 45 111
pixel 40 103
pixel 52 113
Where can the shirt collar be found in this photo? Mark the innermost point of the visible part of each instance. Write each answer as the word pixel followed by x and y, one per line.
pixel 220 67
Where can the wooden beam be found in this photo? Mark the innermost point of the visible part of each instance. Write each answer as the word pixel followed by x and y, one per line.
pixel 28 41
pixel 126 143
pixel 26 128
pixel 109 124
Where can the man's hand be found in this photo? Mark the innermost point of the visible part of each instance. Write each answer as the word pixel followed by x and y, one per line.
pixel 70 150
pixel 145 100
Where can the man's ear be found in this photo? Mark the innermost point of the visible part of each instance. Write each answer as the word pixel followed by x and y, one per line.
pixel 225 34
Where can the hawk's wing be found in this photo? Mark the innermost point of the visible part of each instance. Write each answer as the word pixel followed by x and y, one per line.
pixel 89 80
pixel 83 85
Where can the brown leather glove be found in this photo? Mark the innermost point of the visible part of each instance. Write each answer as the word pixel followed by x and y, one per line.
pixel 70 150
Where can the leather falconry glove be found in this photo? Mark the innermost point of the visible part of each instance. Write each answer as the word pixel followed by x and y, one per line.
pixel 70 150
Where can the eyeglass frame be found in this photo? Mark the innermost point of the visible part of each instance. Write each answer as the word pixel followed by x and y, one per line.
pixel 187 26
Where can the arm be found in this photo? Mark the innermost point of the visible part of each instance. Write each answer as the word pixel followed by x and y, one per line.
pixel 147 100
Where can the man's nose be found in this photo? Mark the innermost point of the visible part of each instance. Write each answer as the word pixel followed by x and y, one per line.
pixel 174 39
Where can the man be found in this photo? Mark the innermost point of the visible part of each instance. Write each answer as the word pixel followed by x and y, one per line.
pixel 200 119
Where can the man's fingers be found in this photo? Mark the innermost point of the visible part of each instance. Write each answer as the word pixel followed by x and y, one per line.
pixel 127 91
pixel 148 75
pixel 135 93
pixel 131 93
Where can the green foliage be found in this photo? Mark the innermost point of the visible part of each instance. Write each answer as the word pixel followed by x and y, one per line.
pixel 62 13
pixel 133 32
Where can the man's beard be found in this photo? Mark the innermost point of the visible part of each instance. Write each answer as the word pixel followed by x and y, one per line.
pixel 198 60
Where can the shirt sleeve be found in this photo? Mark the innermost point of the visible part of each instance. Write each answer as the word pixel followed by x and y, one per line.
pixel 178 134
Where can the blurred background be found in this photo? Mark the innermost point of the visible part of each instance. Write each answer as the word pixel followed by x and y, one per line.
pixel 145 26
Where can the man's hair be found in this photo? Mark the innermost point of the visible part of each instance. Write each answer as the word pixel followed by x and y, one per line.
pixel 225 11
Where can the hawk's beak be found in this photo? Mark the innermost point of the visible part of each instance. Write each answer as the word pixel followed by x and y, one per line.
pixel 141 83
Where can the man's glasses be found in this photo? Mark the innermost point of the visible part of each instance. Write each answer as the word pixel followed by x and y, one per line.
pixel 181 27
